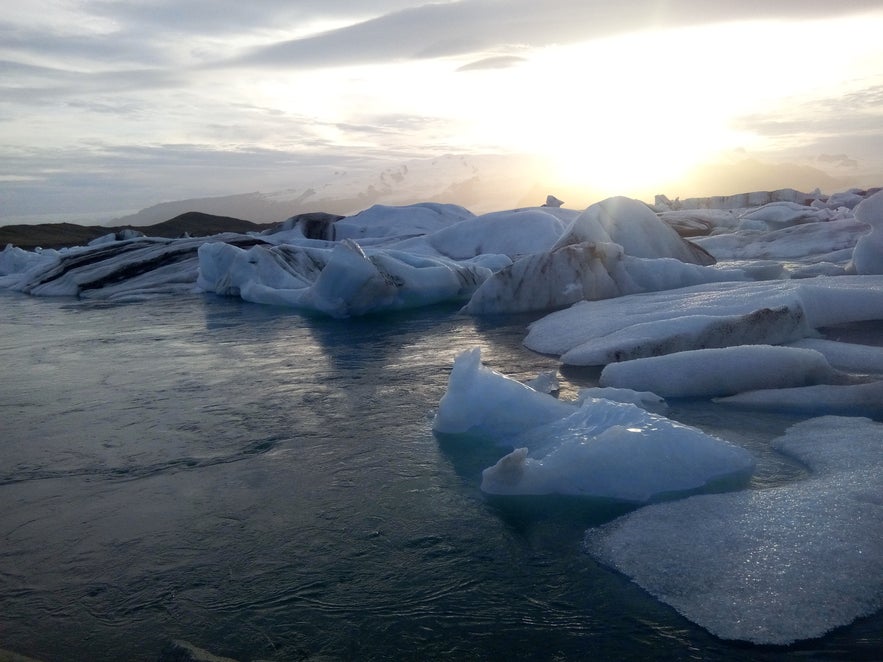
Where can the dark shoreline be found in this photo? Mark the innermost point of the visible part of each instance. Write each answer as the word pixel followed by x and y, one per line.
pixel 61 235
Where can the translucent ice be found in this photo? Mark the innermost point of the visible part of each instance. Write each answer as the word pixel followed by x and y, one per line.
pixel 770 566
pixel 599 449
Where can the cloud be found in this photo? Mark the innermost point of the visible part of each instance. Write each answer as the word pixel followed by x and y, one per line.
pixel 839 160
pixel 496 62
pixel 102 177
pixel 234 16
pixel 857 113
pixel 472 26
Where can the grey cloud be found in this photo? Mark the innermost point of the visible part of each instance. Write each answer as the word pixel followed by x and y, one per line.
pixel 29 84
pixel 234 16
pixel 117 48
pixel 433 30
pixel 100 176
pixel 857 112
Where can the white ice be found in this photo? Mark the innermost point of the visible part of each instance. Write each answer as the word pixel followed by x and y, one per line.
pixel 597 448
pixel 706 316
pixel 867 256
pixel 116 270
pixel 847 400
pixel 484 403
pixel 635 288
pixel 705 373
pixel 584 272
pixel 340 281
pixel 775 565
pixel 851 357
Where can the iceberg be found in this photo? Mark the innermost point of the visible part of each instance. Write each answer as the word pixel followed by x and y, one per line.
pixel 585 272
pixel 686 312
pixel 117 270
pixel 615 247
pixel 635 227
pixel 482 402
pixel 340 281
pixel 768 566
pixel 598 448
pixel 845 400
pixel 867 256
pixel 704 373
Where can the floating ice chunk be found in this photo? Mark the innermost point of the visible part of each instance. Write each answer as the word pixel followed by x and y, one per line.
pixel 634 226
pixel 849 199
pixel 554 279
pixel 770 566
pixel 825 302
pixel 341 281
pixel 718 372
pixel 14 260
pixel 696 222
pixel 643 399
pixel 121 235
pixel 798 241
pixel 545 382
pixel 615 450
pixel 867 257
pixel 511 233
pixel 787 213
pixel 763 326
pixel 483 402
pixel 585 271
pixel 851 357
pixel 845 400
pixel 601 449
pixel 125 269
pixel 389 221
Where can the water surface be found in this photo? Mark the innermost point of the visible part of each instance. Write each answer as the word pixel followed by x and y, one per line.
pixel 267 486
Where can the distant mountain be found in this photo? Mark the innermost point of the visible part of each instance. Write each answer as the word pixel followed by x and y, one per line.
pixel 199 224
pixel 479 183
pixel 59 235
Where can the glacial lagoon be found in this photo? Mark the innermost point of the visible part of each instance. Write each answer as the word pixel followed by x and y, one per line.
pixel 266 485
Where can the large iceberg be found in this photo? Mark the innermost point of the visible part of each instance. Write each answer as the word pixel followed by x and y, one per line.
pixel 118 270
pixel 599 448
pixel 769 566
pixel 615 247
pixel 340 281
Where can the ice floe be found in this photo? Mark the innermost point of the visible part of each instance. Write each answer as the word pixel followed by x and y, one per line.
pixel 685 317
pixel 770 566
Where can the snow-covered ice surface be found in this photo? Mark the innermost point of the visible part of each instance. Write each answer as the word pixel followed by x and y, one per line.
pixel 768 566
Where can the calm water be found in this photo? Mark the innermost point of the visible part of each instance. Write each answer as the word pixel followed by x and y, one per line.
pixel 267 486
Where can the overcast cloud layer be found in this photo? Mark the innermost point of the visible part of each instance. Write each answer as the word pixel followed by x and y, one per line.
pixel 115 105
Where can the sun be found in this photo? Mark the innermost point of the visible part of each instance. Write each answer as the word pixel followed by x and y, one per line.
pixel 601 115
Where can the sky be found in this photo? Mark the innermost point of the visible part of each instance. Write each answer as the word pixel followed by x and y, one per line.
pixel 110 105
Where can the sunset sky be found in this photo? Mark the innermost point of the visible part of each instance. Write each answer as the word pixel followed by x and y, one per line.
pixel 108 105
